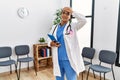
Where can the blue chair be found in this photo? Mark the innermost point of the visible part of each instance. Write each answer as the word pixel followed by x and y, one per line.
pixel 6 52
pixel 88 53
pixel 23 50
pixel 105 56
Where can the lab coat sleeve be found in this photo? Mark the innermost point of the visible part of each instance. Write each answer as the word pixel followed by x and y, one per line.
pixel 48 39
pixel 81 20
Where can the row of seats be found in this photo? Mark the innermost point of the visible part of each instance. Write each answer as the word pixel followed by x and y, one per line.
pixel 20 50
pixel 105 56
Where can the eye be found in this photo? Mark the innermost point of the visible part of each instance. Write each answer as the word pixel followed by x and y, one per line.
pixel 68 13
pixel 63 12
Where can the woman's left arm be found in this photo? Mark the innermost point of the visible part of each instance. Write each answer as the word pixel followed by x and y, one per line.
pixel 81 20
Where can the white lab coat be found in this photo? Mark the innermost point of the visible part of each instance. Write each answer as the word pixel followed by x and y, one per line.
pixel 72 47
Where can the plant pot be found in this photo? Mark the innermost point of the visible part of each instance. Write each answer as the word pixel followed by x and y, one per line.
pixel 42 42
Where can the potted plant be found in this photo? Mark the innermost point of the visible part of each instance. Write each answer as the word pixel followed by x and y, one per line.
pixel 41 40
pixel 57 16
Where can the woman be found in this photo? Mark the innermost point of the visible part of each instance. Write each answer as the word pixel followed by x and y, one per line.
pixel 67 59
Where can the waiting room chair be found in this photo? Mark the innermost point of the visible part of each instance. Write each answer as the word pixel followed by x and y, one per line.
pixel 6 52
pixel 105 56
pixel 23 50
pixel 88 53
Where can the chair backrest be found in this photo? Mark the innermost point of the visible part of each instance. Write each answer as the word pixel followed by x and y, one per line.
pixel 88 52
pixel 5 52
pixel 107 56
pixel 22 50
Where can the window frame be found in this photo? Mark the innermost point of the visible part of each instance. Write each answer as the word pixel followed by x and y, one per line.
pixel 118 40
pixel 92 21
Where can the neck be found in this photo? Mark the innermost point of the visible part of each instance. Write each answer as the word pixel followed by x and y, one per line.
pixel 63 23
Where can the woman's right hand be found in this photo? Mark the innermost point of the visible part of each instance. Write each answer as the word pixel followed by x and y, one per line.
pixel 54 44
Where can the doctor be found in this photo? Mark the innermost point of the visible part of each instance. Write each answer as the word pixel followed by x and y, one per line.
pixel 67 59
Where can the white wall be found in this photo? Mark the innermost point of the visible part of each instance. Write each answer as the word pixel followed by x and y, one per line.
pixel 15 31
pixel 105 29
pixel 65 3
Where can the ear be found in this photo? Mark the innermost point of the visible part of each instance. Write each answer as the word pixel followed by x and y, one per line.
pixel 70 19
pixel 71 16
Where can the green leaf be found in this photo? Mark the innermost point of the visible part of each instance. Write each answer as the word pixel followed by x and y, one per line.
pixel 58 16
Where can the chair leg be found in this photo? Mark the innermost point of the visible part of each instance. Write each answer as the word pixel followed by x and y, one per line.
pixel 104 76
pixel 16 71
pixel 28 65
pixel 88 74
pixel 94 74
pixel 113 74
pixel 15 68
pixel 100 75
pixel 10 69
pixel 34 68
pixel 17 65
pixel 19 71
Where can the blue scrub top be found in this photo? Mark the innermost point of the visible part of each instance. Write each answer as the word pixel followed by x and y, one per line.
pixel 62 54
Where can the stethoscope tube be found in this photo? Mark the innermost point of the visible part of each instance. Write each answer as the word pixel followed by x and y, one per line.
pixel 67 31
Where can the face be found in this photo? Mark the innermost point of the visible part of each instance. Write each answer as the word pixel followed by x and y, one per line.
pixel 65 16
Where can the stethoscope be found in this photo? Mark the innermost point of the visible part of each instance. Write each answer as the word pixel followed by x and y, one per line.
pixel 68 29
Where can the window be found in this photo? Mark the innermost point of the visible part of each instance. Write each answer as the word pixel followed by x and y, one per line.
pixel 118 41
pixel 85 7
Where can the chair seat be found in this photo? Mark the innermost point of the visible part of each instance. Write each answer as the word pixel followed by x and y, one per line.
pixel 99 68
pixel 27 59
pixel 7 63
pixel 87 63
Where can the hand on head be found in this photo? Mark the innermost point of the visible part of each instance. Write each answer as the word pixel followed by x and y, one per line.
pixel 67 9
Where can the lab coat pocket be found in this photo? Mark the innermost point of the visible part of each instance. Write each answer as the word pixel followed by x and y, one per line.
pixel 70 40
